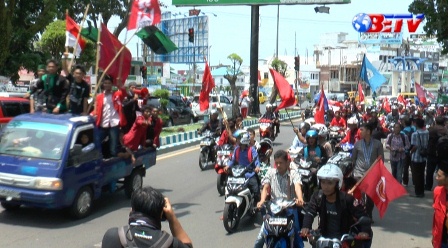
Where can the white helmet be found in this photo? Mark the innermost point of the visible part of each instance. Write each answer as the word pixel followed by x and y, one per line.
pixel 294 152
pixel 352 121
pixel 321 129
pixel 245 139
pixel 268 105
pixel 330 172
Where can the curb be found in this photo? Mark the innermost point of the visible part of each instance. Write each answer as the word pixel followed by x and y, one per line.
pixel 192 136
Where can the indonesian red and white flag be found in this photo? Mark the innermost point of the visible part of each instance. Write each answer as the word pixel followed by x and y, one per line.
pixel 144 13
pixel 71 33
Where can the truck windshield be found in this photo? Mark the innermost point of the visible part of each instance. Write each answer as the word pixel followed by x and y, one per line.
pixel 33 139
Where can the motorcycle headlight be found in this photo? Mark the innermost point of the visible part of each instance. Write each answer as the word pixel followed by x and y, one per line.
pixel 275 209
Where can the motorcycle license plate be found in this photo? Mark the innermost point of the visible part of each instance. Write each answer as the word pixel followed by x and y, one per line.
pixel 205 143
pixel 304 172
pixel 278 221
pixel 236 180
pixel 9 193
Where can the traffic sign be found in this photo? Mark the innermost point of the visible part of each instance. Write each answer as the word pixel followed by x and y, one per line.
pixel 254 2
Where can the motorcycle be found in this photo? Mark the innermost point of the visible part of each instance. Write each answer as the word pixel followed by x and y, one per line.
pixel 279 225
pixel 342 158
pixel 239 200
pixel 223 155
pixel 266 129
pixel 336 135
pixel 308 174
pixel 207 149
pixel 350 239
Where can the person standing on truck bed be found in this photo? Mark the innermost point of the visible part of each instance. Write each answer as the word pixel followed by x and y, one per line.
pixel 56 88
pixel 79 88
pixel 137 135
pixel 154 128
pixel 109 116
pixel 37 100
pixel 130 106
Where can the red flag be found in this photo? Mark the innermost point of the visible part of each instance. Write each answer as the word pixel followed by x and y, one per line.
pixel 110 46
pixel 386 105
pixel 144 13
pixel 419 90
pixel 71 34
pixel 284 90
pixel 319 117
pixel 381 186
pixel 360 93
pixel 401 99
pixel 207 85
pixel 259 76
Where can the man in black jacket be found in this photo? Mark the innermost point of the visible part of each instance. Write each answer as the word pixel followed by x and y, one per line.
pixel 435 132
pixel 56 88
pixel 149 207
pixel 337 210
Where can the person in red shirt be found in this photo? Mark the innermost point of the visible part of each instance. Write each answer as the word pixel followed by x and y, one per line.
pixel 353 134
pixel 227 135
pixel 137 135
pixel 440 219
pixel 366 117
pixel 338 121
pixel 154 129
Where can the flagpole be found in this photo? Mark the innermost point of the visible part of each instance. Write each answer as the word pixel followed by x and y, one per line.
pixel 362 178
pixel 97 62
pixel 78 36
pixel 289 117
pixel 66 14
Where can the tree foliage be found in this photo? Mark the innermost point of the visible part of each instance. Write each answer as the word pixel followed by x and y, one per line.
pixel 21 22
pixel 232 75
pixel 435 12
pixel 281 67
pixel 52 43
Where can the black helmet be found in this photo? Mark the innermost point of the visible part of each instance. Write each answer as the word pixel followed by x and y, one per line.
pixel 305 125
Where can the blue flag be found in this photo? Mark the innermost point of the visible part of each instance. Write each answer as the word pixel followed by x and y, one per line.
pixel 371 75
pixel 418 102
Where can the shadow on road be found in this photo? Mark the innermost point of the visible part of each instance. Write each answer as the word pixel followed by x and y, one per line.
pixel 55 219
pixel 179 206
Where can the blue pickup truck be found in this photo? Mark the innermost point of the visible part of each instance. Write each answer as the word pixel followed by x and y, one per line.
pixel 45 163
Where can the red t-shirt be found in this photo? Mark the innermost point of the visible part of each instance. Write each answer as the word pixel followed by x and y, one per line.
pixel 338 123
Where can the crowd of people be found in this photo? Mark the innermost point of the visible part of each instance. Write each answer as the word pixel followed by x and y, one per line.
pixel 125 122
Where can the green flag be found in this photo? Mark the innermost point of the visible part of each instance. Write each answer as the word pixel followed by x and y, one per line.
pixel 156 40
pixel 90 32
pixel 442 99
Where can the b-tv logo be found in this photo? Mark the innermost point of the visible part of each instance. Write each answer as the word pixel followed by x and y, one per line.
pixel 386 23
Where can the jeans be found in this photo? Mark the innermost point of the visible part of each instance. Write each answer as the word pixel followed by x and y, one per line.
pixel 112 133
pixel 254 188
pixel 430 169
pixel 397 169
pixel 298 242
pixel 418 177
pixel 444 246
pixel 406 165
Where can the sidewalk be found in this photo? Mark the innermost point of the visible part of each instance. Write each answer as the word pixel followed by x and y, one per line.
pixel 192 136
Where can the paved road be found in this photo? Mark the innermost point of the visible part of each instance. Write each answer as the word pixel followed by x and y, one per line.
pixel 198 206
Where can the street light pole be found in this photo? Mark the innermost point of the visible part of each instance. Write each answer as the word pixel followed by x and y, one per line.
pixel 278 21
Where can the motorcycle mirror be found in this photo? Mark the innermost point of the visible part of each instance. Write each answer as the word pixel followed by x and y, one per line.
pixel 363 221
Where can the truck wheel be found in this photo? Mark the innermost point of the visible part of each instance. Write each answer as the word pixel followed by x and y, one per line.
pixel 82 205
pixel 133 182
pixel 10 206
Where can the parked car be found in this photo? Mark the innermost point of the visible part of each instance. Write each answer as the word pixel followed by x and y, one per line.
pixel 178 112
pixel 11 107
pixel 225 103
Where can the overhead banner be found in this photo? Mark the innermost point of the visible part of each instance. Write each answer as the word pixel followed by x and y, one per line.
pixel 380 38
pixel 254 2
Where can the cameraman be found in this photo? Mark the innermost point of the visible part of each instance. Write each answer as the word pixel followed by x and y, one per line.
pixel 144 230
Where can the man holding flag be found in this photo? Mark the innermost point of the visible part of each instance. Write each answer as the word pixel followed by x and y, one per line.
pixel 365 153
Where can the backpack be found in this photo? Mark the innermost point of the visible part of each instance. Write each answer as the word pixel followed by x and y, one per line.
pixel 249 154
pixel 442 147
pixel 127 239
pixel 403 138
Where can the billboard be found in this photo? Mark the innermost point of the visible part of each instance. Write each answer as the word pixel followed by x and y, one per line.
pixel 430 78
pixel 380 38
pixel 253 2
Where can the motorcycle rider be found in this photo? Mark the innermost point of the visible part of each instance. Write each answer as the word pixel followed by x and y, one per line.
pixel 323 141
pixel 353 134
pixel 299 139
pixel 393 116
pixel 337 210
pixel 244 155
pixel 213 124
pixel 366 117
pixel 227 134
pixel 338 121
pixel 277 119
pixel 284 183
pixel 313 151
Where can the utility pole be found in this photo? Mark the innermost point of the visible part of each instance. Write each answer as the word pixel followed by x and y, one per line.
pixel 278 21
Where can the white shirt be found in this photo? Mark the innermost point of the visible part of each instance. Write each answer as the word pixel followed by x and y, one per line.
pixel 111 118
pixel 245 102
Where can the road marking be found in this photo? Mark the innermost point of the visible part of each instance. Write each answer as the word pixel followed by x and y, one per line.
pixel 175 153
